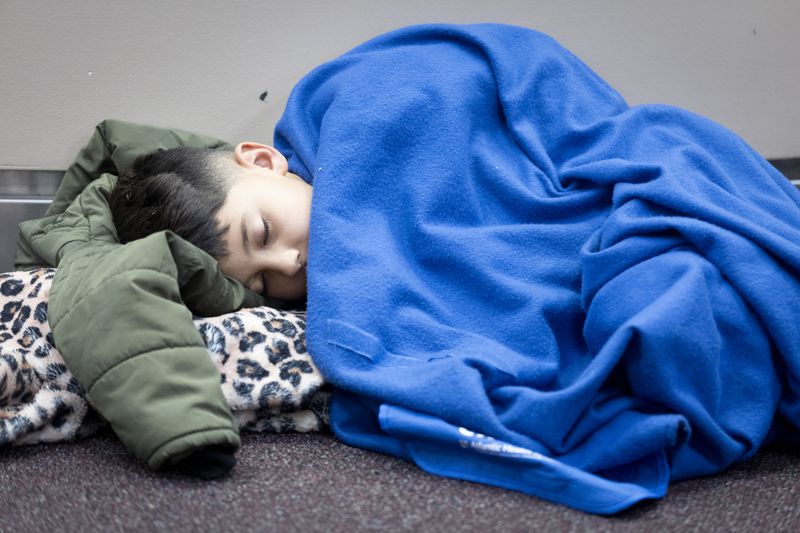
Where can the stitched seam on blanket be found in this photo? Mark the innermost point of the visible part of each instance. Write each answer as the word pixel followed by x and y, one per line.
pixel 137 354
pixel 102 285
pixel 182 435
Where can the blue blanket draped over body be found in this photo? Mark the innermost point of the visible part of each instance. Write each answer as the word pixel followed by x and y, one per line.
pixel 515 278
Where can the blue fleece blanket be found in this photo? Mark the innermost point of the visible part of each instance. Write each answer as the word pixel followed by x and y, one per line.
pixel 515 278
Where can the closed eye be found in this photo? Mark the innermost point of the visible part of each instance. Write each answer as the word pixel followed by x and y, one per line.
pixel 266 230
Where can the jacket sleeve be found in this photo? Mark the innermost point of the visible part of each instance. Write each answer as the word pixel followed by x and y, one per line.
pixel 112 148
pixel 121 315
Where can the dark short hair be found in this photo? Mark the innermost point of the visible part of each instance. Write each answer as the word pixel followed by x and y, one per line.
pixel 180 189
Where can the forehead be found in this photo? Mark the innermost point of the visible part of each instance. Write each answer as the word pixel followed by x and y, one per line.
pixel 237 202
pixel 267 192
pixel 245 194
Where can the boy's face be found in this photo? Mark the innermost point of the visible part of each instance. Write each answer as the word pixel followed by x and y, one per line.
pixel 267 212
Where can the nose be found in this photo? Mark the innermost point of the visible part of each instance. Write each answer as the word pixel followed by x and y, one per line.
pixel 289 261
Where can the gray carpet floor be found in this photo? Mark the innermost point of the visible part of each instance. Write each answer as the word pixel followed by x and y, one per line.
pixel 313 482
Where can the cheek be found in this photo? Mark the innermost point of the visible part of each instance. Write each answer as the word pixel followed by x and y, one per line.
pixel 286 288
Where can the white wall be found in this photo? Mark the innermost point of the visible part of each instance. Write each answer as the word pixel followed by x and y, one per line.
pixel 201 66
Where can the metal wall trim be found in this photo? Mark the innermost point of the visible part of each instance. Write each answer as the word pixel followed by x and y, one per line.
pixel 16 182
pixel 26 200
pixel 29 182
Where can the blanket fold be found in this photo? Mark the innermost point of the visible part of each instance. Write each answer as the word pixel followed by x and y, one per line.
pixel 500 243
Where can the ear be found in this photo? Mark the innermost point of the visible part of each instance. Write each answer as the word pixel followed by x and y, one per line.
pixel 254 155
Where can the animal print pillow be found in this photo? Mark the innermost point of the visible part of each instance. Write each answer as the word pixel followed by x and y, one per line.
pixel 266 373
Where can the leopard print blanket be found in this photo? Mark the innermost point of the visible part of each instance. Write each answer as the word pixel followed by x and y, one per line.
pixel 267 376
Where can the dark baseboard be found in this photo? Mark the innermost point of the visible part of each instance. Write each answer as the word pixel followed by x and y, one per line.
pixel 789 167
pixel 43 183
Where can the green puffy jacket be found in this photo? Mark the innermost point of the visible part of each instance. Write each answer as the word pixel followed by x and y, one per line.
pixel 121 315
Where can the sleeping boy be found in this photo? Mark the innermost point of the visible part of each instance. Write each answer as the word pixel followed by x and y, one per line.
pixel 242 207
pixel 501 247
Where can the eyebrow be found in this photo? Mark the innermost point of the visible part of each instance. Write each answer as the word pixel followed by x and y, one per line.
pixel 245 238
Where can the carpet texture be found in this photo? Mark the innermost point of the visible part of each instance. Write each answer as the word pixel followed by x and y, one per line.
pixel 312 482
